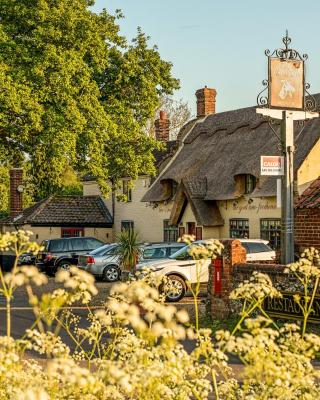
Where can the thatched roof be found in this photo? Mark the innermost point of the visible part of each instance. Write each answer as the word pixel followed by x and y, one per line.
pixel 224 145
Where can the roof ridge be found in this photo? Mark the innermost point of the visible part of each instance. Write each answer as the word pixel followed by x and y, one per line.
pixel 41 206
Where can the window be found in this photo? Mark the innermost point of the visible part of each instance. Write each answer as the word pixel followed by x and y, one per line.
pixel 72 232
pixel 199 233
pixel 270 229
pixel 78 244
pixel 239 228
pixel 56 246
pixel 126 190
pixel 172 250
pixel 127 225
pixel 170 232
pixel 254 247
pixel 155 252
pixel 92 244
pixel 182 231
pixel 249 183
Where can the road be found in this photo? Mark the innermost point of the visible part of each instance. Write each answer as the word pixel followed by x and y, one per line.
pixel 22 315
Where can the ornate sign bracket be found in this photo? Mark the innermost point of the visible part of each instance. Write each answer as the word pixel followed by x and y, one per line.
pixel 285 88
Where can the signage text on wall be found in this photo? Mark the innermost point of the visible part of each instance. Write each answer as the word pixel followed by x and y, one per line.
pixel 286 308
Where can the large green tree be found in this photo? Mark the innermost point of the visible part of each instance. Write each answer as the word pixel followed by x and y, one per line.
pixel 74 94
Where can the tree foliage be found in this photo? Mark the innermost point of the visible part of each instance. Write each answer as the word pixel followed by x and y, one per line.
pixel 178 113
pixel 74 93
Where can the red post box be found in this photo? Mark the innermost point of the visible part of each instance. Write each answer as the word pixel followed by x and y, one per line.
pixel 217 265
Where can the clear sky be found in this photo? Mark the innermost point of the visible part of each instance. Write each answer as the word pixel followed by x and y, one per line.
pixel 221 43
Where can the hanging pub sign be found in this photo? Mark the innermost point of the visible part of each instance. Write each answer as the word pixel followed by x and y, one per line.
pixel 286 83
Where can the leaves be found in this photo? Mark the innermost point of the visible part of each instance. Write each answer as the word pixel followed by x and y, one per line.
pixel 74 94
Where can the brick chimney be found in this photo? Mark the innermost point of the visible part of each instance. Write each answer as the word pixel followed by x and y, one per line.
pixel 206 101
pixel 162 126
pixel 16 181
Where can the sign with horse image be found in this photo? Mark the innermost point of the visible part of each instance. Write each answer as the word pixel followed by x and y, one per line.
pixel 286 83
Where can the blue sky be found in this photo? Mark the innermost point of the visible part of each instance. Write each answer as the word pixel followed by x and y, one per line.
pixel 221 43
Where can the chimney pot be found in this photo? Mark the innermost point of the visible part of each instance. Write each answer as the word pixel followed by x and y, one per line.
pixel 16 181
pixel 163 115
pixel 206 101
pixel 162 127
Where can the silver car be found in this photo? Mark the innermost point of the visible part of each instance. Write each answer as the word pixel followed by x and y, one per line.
pixel 102 262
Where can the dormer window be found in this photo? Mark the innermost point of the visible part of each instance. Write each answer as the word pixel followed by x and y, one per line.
pixel 250 182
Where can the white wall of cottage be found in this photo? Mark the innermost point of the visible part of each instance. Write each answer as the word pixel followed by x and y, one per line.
pixel 148 221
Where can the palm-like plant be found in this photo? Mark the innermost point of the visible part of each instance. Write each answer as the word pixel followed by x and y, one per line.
pixel 129 249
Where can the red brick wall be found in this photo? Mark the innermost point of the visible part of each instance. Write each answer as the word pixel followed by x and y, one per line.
pixel 233 254
pixel 307 227
pixel 16 179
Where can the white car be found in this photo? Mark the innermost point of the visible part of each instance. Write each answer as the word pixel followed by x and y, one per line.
pixel 180 267
pixel 258 250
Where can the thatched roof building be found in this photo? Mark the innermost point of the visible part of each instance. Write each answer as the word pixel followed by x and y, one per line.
pixel 215 153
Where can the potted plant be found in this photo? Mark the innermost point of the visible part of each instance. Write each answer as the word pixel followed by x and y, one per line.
pixel 128 252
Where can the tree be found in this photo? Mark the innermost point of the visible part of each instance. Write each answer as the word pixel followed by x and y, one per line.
pixel 74 94
pixel 178 113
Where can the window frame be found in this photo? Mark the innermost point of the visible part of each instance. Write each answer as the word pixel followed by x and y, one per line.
pixel 73 232
pixel 170 232
pixel 250 182
pixel 266 234
pixel 241 231
pixel 128 222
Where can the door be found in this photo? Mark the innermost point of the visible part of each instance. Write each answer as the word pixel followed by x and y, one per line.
pixel 191 227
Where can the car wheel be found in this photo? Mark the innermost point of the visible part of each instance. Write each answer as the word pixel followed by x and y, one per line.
pixel 64 266
pixel 111 273
pixel 177 288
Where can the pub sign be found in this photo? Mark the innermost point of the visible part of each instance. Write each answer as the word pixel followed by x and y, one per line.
pixel 286 83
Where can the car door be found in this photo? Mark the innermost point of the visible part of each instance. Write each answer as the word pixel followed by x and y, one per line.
pixel 198 270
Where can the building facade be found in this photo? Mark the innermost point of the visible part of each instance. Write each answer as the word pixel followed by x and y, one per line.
pixel 219 191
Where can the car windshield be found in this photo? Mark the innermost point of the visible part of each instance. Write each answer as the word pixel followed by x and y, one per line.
pixel 103 249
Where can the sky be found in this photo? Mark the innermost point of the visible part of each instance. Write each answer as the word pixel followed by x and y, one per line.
pixel 221 43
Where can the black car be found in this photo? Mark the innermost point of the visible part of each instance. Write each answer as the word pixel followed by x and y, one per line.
pixel 64 252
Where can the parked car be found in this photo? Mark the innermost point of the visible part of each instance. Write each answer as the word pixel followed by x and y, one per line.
pixel 27 259
pixel 258 250
pixel 180 266
pixel 104 263
pixel 64 252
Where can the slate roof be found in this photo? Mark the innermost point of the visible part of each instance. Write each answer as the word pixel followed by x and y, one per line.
pixel 84 211
pixel 223 145
pixel 310 198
